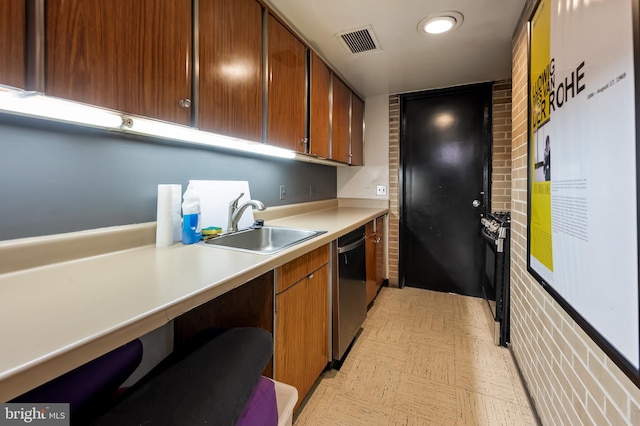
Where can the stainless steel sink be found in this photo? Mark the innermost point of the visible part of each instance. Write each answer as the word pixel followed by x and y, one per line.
pixel 264 240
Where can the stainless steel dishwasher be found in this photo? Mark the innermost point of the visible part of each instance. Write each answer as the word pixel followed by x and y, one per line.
pixel 349 290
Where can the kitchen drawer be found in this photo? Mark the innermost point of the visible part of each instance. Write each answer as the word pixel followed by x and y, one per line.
pixel 297 269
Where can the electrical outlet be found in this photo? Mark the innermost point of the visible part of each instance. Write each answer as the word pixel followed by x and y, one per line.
pixel 312 191
pixel 381 190
pixel 283 192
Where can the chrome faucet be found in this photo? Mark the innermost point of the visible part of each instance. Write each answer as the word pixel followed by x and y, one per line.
pixel 235 212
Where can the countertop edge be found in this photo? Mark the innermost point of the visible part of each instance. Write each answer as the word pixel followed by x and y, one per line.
pixel 34 372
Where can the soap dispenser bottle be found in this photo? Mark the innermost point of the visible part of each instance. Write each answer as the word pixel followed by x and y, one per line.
pixel 191 218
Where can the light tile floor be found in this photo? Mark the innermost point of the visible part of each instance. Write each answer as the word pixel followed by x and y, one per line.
pixel 423 358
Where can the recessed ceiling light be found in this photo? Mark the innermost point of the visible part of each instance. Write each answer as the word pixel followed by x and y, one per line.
pixel 440 22
pixel 439 25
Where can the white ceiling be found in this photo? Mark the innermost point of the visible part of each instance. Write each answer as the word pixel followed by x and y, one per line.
pixel 478 50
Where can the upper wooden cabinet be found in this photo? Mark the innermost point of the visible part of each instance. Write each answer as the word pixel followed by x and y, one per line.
pixel 347 125
pixel 356 142
pixel 340 121
pixel 12 42
pixel 319 126
pixel 286 85
pixel 230 87
pixel 255 78
pixel 132 56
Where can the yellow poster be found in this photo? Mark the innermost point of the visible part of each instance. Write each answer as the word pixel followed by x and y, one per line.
pixel 541 83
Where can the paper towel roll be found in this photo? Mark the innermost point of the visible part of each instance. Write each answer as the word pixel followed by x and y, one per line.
pixel 168 215
pixel 177 212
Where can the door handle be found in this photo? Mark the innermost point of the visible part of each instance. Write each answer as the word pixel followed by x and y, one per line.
pixel 476 203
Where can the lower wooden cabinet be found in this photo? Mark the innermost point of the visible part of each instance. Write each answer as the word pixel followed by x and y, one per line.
pixel 374 249
pixel 301 325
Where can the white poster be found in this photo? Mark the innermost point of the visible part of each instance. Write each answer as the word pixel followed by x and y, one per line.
pixel 589 189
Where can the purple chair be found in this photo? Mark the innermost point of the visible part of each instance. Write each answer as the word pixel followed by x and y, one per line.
pixel 90 387
pixel 215 379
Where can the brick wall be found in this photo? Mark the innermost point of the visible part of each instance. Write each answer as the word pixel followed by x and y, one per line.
pixel 569 377
pixel 394 213
pixel 501 158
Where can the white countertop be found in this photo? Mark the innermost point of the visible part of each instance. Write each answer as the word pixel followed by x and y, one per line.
pixel 56 317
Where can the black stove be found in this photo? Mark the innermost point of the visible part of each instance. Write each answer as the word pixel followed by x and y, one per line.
pixel 497 224
pixel 496 233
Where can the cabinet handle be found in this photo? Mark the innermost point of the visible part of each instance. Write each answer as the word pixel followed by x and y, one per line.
pixel 185 103
pixel 377 240
pixel 310 276
pixel 304 141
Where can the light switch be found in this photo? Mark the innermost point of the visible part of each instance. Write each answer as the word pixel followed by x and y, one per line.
pixel 381 190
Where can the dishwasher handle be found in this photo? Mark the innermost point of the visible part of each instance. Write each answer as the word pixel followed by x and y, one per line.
pixel 352 246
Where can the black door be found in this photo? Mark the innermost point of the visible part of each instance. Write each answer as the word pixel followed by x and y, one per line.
pixel 445 146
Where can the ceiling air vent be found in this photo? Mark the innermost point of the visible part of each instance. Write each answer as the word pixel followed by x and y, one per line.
pixel 359 40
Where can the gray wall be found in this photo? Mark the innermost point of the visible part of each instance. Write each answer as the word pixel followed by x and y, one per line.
pixel 58 178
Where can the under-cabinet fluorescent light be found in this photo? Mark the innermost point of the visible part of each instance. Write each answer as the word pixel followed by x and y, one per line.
pixel 160 129
pixel 318 160
pixel 35 104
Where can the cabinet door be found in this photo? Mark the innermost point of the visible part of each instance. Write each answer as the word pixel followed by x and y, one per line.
pixel 230 94
pixel 371 255
pixel 374 249
pixel 380 250
pixel 302 322
pixel 286 82
pixel 340 121
pixel 292 272
pixel 357 131
pixel 319 108
pixel 12 43
pixel 132 56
